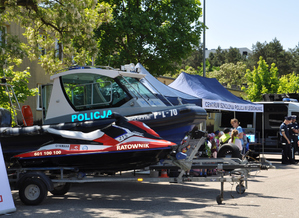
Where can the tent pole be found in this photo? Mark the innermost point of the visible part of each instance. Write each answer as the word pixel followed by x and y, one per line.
pixel 263 126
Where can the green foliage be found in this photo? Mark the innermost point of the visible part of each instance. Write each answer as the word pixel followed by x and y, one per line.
pixel 153 33
pixel 288 84
pixel 18 80
pixel 220 57
pixel 231 74
pixel 295 59
pixel 193 71
pixel 261 80
pixel 11 55
pixel 193 60
pixel 272 52
pixel 57 33
pixel 60 31
pixel 217 58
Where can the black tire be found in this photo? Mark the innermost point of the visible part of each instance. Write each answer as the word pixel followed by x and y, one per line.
pixel 61 189
pixel 219 199
pixel 229 150
pixel 240 189
pixel 33 191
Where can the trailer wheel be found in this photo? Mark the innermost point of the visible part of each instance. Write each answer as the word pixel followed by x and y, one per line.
pixel 219 199
pixel 61 189
pixel 240 189
pixel 33 191
pixel 229 151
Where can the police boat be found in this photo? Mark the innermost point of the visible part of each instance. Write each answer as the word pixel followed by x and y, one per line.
pixel 93 94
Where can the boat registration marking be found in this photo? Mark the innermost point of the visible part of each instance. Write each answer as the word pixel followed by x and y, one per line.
pixel 168 113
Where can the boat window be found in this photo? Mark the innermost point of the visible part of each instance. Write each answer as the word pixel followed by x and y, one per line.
pixel 91 91
pixel 136 88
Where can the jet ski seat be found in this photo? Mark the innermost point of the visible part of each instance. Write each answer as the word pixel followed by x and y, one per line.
pixel 76 134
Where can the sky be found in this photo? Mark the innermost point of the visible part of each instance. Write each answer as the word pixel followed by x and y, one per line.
pixel 243 23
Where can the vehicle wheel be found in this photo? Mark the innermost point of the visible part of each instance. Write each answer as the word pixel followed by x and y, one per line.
pixel 240 189
pixel 61 189
pixel 33 191
pixel 229 151
pixel 219 199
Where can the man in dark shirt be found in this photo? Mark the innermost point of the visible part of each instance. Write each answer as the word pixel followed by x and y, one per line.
pixel 285 141
pixel 294 135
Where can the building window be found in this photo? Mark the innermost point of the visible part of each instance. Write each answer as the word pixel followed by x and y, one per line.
pixel 58 50
pixel 3 32
pixel 39 105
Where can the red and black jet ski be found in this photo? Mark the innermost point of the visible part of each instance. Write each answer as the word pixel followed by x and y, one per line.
pixel 119 145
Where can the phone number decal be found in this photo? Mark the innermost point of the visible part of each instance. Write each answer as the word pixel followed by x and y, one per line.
pixel 46 153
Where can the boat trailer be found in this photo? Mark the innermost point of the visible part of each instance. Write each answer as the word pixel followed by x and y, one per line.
pixel 34 183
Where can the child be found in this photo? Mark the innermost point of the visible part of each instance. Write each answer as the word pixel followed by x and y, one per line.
pixel 235 139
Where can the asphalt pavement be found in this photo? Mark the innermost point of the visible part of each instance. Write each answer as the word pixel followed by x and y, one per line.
pixel 270 193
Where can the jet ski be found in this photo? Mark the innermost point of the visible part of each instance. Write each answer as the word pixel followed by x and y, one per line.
pixel 117 145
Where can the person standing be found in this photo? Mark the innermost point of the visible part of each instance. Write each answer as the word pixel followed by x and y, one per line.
pixel 294 136
pixel 285 141
pixel 236 125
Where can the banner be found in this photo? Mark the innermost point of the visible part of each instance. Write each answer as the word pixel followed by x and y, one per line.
pixel 229 106
pixel 6 201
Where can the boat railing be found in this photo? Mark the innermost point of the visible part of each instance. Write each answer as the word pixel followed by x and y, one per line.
pixel 74 67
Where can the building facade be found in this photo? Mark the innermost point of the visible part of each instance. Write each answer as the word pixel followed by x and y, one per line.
pixel 38 76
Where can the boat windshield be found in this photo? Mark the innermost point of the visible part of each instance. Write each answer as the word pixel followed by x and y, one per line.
pixel 136 88
pixel 91 91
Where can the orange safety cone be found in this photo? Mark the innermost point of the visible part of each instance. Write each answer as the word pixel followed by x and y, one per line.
pixel 164 174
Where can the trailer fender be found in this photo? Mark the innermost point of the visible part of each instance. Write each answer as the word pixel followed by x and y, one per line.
pixel 39 175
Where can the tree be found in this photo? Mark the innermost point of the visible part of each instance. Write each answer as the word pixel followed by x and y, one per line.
pixel 233 56
pixel 261 81
pixel 195 59
pixel 12 54
pixel 58 32
pixel 295 59
pixel 154 33
pixel 231 74
pixel 288 84
pixel 218 58
pixel 272 52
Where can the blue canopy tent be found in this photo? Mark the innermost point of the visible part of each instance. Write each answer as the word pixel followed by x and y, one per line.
pixel 205 92
pixel 214 96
